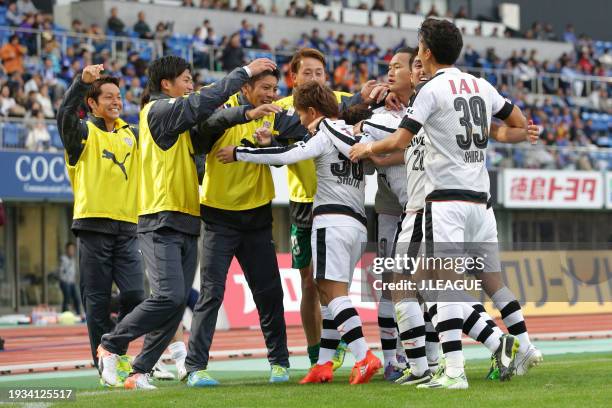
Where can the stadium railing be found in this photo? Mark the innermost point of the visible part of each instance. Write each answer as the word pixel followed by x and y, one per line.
pixel 14 132
pixel 149 49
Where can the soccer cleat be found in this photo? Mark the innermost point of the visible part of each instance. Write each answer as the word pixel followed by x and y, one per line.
pixel 279 374
pixel 440 368
pixel 160 372
pixel 446 382
pixel 139 381
pixel 408 378
pixel 107 364
pixel 339 355
pixel 493 370
pixel 201 379
pixel 181 371
pixel 319 373
pixel 527 360
pixel 124 368
pixel 365 369
pixel 505 355
pixel 392 372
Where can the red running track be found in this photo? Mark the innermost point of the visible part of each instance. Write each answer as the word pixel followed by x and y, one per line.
pixel 32 344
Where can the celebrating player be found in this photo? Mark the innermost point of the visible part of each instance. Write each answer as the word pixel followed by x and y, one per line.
pixel 339 224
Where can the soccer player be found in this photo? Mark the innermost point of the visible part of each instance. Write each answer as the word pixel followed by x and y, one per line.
pixel 236 208
pixel 339 225
pixel 308 64
pixel 455 110
pixel 102 157
pixel 168 215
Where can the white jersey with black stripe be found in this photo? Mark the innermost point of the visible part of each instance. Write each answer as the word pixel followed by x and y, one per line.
pixel 407 180
pixel 455 109
pixel 340 196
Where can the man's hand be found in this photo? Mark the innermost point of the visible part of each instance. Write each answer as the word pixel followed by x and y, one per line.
pixel 91 73
pixel 533 133
pixel 393 102
pixel 262 110
pixel 260 65
pixel 263 136
pixel 226 154
pixel 374 92
pixel 360 151
pixel 357 128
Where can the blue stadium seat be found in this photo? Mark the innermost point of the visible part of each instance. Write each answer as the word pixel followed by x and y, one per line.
pixel 13 135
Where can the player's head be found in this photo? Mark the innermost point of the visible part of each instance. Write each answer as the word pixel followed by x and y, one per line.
pixel 170 75
pixel 440 43
pixel 262 88
pixel 306 65
pixel 398 75
pixel 104 98
pixel 313 100
pixel 417 72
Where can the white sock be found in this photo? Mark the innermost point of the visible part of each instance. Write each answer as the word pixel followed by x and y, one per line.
pixel 388 331
pixel 330 338
pixel 412 333
pixel 512 315
pixel 349 326
pixel 450 325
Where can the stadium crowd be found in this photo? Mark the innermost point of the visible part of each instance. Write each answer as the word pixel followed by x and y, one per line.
pixel 35 74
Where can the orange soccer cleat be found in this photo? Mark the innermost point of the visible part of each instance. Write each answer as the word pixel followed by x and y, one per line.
pixel 365 369
pixel 319 373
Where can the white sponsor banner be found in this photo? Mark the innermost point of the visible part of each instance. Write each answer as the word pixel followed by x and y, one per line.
pixel 556 189
pixel 608 189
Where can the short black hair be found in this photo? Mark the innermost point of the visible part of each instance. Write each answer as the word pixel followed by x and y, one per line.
pixel 408 50
pixel 356 113
pixel 95 90
pixel 443 38
pixel 275 73
pixel 169 67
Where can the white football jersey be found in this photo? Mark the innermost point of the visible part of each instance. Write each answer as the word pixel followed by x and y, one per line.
pixel 340 183
pixel 406 181
pixel 455 109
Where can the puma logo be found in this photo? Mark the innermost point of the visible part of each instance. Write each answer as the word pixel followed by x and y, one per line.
pixel 111 156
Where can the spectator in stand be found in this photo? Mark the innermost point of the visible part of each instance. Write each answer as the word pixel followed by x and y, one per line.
pixel 233 54
pixel 12 55
pixel 26 7
pixel 200 50
pixel 433 12
pixel 204 30
pixel 188 3
pixel 8 105
pixel 330 17
pixel 308 11
pixel 343 77
pixel 44 100
pixel 379 5
pixel 461 13
pixel 142 28
pixel 38 138
pixel 246 34
pixel 114 24
pixel 239 8
pixel 255 8
pixel 211 38
pixel 389 22
pixel 258 41
pixel 316 41
pixel 569 35
pixel 205 4
pixel 292 10
pixel 13 16
pixel 417 9
pixel 77 26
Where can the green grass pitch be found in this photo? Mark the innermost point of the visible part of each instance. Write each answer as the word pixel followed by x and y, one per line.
pixel 572 380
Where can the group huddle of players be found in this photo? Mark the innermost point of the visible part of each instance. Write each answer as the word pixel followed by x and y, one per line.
pixel 425 133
